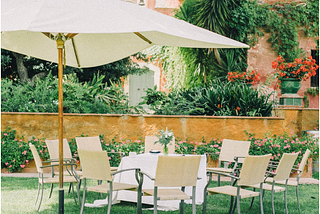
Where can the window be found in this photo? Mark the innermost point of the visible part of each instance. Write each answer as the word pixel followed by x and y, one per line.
pixel 315 79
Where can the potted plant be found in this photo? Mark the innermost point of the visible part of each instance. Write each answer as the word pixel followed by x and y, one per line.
pixel 290 74
pixel 165 137
pixel 250 77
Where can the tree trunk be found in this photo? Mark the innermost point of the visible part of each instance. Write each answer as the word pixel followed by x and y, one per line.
pixel 21 68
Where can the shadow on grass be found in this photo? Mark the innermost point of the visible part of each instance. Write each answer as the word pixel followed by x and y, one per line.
pixel 18 196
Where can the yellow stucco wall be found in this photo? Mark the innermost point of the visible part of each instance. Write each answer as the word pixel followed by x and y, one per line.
pixel 45 125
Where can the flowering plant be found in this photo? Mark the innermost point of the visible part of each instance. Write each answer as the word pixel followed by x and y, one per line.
pixel 248 77
pixel 15 153
pixel 165 137
pixel 301 69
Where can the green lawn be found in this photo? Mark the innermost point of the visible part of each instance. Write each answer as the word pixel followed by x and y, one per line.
pixel 18 196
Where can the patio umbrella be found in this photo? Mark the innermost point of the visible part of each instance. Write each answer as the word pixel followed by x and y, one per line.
pixel 90 33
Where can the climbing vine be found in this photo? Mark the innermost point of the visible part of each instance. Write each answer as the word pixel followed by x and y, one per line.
pixel 310 91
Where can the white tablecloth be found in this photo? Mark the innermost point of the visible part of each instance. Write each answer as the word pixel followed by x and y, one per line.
pixel 148 163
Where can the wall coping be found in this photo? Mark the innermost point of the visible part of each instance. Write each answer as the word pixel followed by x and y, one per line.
pixel 147 116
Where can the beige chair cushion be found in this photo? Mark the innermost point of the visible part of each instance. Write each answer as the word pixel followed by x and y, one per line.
pixel 232 148
pixel 232 191
pixel 89 143
pixel 167 194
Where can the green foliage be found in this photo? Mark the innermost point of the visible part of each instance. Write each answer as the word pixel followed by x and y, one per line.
pixel 217 98
pixel 15 153
pixel 286 143
pixel 312 91
pixel 94 96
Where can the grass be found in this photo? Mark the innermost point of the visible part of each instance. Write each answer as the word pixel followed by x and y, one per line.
pixel 18 196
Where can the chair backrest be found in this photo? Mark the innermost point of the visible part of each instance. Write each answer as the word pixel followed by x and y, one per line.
pixel 304 161
pixel 89 143
pixel 285 166
pixel 149 145
pixel 53 148
pixel 36 158
pixel 253 170
pixel 177 171
pixel 232 148
pixel 95 165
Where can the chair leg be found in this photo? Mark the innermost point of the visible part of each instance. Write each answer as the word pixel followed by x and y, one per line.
pixel 40 197
pixel 69 188
pixel 218 180
pixel 78 193
pixel 285 199
pixel 297 193
pixel 109 201
pixel 182 202
pixel 254 189
pixel 37 193
pixel 204 206
pixel 194 200
pixel 155 200
pixel 238 204
pixel 83 197
pixel 272 201
pixel 74 196
pixel 231 205
pixel 261 197
pixel 51 188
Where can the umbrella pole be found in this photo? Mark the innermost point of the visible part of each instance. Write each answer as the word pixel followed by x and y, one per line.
pixel 60 45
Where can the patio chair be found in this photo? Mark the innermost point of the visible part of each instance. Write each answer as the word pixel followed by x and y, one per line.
pixel 95 165
pixel 282 174
pixel 174 171
pixel 94 144
pixel 42 180
pixel 252 172
pixel 53 148
pixel 150 145
pixel 299 170
pixel 232 151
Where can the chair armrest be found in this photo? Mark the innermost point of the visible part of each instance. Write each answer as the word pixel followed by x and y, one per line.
pixel 57 160
pixel 149 176
pixel 65 164
pixel 124 170
pixel 225 174
pixel 237 157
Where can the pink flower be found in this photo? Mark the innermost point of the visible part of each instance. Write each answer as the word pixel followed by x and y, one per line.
pixel 281 137
pixel 24 152
pixel 291 132
pixel 10 166
pixel 211 146
pixel 177 146
pixel 44 146
pixel 22 166
pixel 191 142
pixel 20 146
pixel 299 152
pixel 6 163
pixel 14 160
pixel 112 150
pixel 41 151
pixel 185 147
pixel 117 146
pixel 278 154
pixel 109 158
pixel 77 161
pixel 278 146
pixel 214 139
pixel 219 147
pixel 285 141
pixel 271 158
pixel 36 139
pixel 107 144
pixel 180 142
pixel 5 134
pixel 102 141
pixel 215 145
pixel 27 161
pixel 292 152
pixel 20 140
pixel 15 139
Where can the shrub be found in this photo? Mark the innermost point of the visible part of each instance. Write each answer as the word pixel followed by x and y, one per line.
pixel 15 153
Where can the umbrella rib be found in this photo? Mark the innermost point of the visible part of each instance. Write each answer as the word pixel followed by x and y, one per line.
pixel 75 52
pixel 142 37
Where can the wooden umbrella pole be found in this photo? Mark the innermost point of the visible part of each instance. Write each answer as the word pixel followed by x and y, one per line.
pixel 60 45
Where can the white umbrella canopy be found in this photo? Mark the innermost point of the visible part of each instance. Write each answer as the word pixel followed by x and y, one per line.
pixel 97 31
pixel 93 33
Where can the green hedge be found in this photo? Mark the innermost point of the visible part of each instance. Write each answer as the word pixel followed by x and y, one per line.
pixel 15 152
